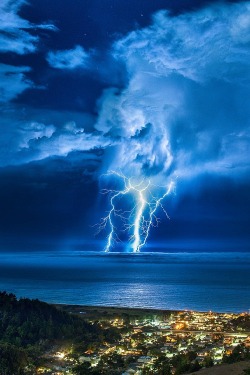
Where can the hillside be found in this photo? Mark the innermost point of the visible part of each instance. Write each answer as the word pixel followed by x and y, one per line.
pixel 29 328
pixel 232 369
pixel 27 322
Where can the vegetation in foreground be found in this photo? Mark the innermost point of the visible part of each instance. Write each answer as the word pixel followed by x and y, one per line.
pixel 29 328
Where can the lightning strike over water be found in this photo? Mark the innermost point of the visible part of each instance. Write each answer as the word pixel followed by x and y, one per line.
pixel 138 220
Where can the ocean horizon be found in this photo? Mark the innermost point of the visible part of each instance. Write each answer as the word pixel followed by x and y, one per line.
pixel 186 280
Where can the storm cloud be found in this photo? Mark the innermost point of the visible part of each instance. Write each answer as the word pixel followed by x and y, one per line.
pixel 184 109
pixel 188 79
pixel 153 95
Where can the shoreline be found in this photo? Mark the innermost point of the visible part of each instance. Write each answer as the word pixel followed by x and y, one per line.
pixel 134 310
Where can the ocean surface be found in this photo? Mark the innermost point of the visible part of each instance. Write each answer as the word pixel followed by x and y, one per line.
pixel 196 281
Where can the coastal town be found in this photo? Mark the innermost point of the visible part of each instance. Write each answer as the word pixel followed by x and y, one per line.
pixel 154 342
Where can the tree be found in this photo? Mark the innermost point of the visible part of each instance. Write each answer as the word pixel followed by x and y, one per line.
pixel 161 365
pixel 181 364
pixel 12 360
pixel 236 355
pixel 82 369
pixel 208 362
pixel 195 366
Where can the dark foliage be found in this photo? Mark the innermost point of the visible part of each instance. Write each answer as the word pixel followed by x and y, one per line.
pixel 27 322
pixel 12 360
pixel 184 363
pixel 239 353
pixel 242 321
pixel 27 327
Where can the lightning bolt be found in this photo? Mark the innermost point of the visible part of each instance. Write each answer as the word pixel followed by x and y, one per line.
pixel 138 220
pixel 152 216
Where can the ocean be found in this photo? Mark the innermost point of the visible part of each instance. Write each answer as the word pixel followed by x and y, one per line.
pixel 192 280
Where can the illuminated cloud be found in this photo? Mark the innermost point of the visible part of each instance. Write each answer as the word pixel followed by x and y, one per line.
pixel 15 37
pixel 68 59
pixel 61 142
pixel 14 30
pixel 37 141
pixel 13 81
pixel 185 109
pixel 199 46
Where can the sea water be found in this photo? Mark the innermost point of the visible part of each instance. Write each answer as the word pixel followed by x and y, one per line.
pixel 191 280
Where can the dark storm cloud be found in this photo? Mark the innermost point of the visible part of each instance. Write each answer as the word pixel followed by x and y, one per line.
pixel 185 75
pixel 118 88
pixel 24 141
pixel 41 202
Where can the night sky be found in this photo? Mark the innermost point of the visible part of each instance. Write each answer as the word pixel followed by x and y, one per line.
pixel 155 89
